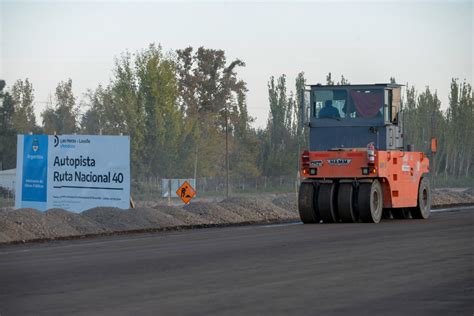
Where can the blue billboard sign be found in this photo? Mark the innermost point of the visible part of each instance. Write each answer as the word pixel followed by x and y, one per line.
pixel 72 172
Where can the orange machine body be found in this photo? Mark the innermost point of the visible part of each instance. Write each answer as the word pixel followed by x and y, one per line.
pixel 399 172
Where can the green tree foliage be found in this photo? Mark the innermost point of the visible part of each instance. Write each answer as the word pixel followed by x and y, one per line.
pixel 158 92
pixel 343 81
pixel 430 123
pixel 7 109
pixel 329 80
pixel 284 135
pixel 299 128
pixel 117 109
pixel 24 120
pixel 16 117
pixel 62 117
pixel 7 129
pixel 245 152
pixel 93 121
pixel 460 118
pixel 210 94
pixel 175 107
pixel 453 128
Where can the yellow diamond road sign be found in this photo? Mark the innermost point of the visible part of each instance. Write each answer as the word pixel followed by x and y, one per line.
pixel 186 192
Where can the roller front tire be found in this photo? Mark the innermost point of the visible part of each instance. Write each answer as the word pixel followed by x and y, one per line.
pixel 423 208
pixel 370 202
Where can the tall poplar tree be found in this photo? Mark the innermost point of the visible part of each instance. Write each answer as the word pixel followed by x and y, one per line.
pixel 24 120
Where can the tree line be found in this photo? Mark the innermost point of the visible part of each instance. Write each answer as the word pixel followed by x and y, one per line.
pixel 179 108
pixel 453 128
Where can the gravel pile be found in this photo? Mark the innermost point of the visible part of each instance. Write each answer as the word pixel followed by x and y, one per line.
pixel 27 224
pixel 114 219
pixel 264 209
pixel 213 213
pixel 446 196
pixel 241 211
pixel 183 215
pixel 287 202
pixel 81 224
pixel 469 192
pixel 154 218
pixel 12 229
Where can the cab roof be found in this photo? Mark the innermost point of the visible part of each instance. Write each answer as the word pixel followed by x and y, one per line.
pixel 374 85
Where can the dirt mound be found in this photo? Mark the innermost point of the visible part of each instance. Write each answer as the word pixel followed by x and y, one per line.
pixel 264 209
pixel 188 218
pixel 13 229
pixel 29 223
pixel 114 219
pixel 249 216
pixel 446 196
pixel 287 202
pixel 155 218
pixel 82 225
pixel 213 213
pixel 469 191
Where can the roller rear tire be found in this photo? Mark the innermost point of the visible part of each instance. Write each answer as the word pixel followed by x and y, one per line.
pixel 306 203
pixel 326 203
pixel 345 203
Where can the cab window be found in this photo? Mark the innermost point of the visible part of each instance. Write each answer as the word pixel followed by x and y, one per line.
pixel 329 103
pixel 366 103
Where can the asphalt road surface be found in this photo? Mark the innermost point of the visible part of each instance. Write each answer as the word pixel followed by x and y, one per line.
pixel 404 267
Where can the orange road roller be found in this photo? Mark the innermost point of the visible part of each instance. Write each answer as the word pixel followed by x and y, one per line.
pixel 357 168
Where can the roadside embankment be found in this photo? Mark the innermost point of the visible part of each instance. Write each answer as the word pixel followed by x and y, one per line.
pixel 28 224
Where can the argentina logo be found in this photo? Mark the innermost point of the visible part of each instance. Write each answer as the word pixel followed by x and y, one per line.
pixel 35 145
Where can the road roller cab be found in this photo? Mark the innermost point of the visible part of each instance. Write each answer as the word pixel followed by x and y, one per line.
pixel 356 167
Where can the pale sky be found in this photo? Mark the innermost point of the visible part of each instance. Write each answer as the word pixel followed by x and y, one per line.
pixel 422 43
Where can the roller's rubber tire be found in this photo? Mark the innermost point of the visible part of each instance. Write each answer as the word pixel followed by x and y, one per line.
pixel 401 213
pixel 307 203
pixel 326 202
pixel 423 208
pixel 345 203
pixel 370 202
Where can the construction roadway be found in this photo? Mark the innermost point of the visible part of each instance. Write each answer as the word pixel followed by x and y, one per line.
pixel 397 267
